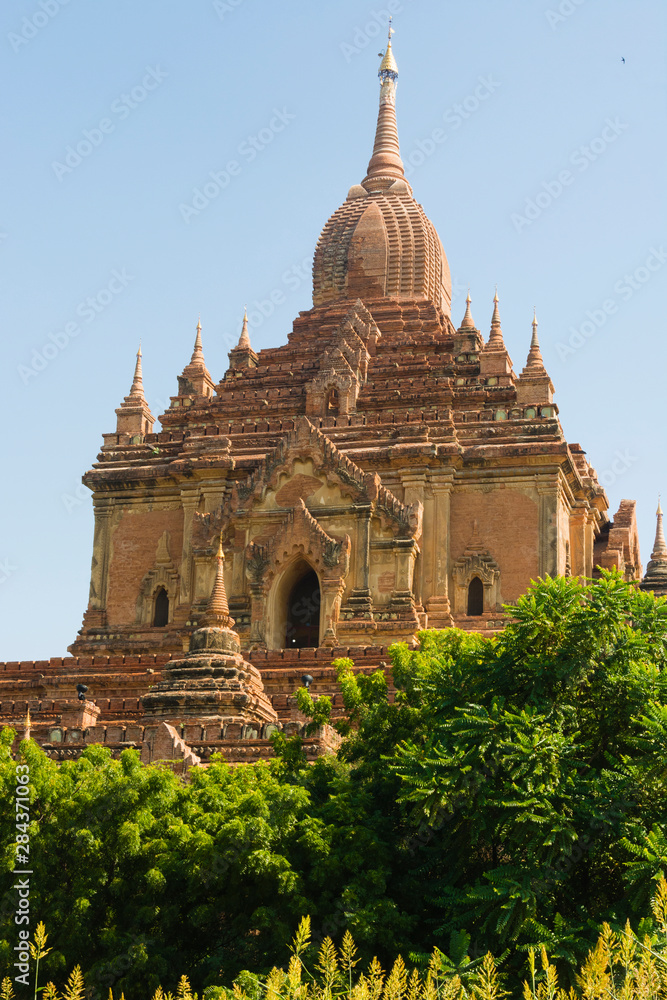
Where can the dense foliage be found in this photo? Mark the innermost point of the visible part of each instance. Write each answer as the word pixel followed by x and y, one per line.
pixel 512 795
pixel 619 967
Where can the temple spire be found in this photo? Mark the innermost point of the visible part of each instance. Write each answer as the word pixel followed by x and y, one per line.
pixel 137 390
pixel 198 352
pixel 467 322
pixel 134 415
pixel 244 339
pixel 496 336
pixel 495 360
pixel 217 610
pixel 195 379
pixel 534 361
pixel 242 356
pixel 655 578
pixel 385 165
pixel 659 546
pixel 534 386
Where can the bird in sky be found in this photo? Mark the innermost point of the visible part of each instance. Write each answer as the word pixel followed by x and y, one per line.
pixel 622 59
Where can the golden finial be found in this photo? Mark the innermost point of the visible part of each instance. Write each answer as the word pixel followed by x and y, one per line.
pixel 388 65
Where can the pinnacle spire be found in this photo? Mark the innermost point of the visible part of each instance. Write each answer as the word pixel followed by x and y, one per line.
pixel 468 322
pixel 217 609
pixel 244 339
pixel 137 390
pixel 134 415
pixel 242 356
pixel 655 578
pixel 659 546
pixel 195 379
pixel 496 336
pixel 385 165
pixel 534 361
pixel 198 352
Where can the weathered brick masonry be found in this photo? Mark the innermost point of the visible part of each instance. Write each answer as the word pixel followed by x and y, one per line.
pixel 383 471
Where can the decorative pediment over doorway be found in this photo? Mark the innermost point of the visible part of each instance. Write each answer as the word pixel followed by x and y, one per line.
pixel 306 443
pixel 299 541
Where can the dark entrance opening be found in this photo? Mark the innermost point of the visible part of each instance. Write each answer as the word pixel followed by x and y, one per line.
pixel 476 597
pixel 303 613
pixel 161 613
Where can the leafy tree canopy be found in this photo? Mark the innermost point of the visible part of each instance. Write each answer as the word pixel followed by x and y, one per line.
pixel 511 793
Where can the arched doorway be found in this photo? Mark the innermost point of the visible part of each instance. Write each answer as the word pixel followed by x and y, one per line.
pixel 475 596
pixel 161 611
pixel 302 629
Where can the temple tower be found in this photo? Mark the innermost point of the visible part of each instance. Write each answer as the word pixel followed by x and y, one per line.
pixel 382 471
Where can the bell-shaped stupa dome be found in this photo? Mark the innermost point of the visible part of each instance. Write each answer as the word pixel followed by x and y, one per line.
pixel 380 243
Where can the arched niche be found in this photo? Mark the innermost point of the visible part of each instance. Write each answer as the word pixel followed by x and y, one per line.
pixel 475 597
pixel 161 608
pixel 295 608
pixel 480 566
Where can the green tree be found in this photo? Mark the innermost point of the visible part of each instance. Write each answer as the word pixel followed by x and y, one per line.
pixel 509 793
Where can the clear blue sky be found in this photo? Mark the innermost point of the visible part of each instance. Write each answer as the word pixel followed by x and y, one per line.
pixel 521 93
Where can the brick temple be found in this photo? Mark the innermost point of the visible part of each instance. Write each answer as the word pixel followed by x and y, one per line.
pixel 385 471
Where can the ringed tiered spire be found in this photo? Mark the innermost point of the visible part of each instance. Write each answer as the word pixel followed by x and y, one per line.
pixel 534 361
pixel 244 339
pixel 386 165
pixel 196 379
pixel 468 323
pixel 134 415
pixel 534 385
pixel 198 352
pixel 243 356
pixel 217 610
pixel 496 336
pixel 655 578
pixel 137 389
pixel 659 546
pixel 495 360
